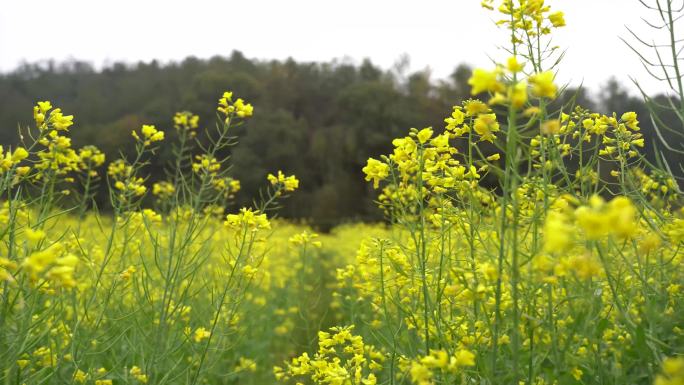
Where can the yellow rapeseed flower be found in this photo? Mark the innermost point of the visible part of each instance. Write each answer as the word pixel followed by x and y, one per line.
pixel 483 80
pixel 376 170
pixel 543 86
pixel 485 126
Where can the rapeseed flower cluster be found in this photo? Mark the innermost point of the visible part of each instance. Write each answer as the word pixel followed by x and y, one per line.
pixel 149 133
pixel 286 183
pixel 237 108
pixel 575 221
pixel 70 278
pixel 342 358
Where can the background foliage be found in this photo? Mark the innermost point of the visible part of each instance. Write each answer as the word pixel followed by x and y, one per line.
pixel 320 121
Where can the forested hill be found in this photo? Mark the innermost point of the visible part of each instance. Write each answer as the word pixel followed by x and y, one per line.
pixel 320 121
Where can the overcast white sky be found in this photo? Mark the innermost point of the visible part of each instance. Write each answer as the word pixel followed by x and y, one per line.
pixel 437 34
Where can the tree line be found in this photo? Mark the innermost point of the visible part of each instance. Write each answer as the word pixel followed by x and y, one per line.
pixel 319 121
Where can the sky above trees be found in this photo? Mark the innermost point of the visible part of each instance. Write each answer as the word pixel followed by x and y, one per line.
pixel 437 34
